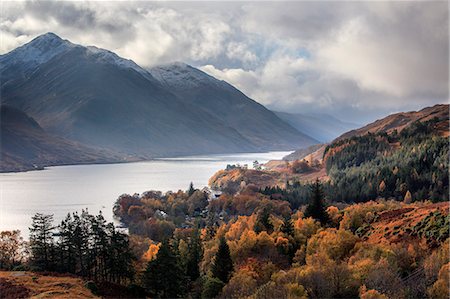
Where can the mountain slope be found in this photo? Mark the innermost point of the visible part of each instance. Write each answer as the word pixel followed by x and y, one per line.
pixel 399 121
pixel 322 127
pixel 95 97
pixel 256 123
pixel 80 95
pixel 26 146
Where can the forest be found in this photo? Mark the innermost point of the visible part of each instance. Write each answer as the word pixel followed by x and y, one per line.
pixel 411 164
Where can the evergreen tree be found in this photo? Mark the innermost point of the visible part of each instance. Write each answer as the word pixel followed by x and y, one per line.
pixel 120 256
pixel 316 207
pixel 66 249
pixel 41 242
pixel 194 256
pixel 263 222
pixel 287 227
pixel 85 245
pixel 223 264
pixel 163 277
pixel 191 189
pixel 212 287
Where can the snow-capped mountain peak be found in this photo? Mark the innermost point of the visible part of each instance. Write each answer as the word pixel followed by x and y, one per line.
pixel 180 75
pixel 40 50
pixel 105 56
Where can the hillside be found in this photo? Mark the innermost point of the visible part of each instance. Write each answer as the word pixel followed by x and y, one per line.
pixel 97 98
pixel 34 285
pixel 399 121
pixel 220 99
pixel 322 127
pixel 26 146
pixel 405 161
pixel 424 221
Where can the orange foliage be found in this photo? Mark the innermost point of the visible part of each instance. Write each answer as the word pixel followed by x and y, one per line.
pixel 152 251
pixel 364 293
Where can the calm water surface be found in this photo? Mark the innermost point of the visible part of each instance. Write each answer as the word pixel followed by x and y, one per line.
pixel 63 189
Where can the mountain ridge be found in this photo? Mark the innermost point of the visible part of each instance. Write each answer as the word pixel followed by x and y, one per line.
pixel 94 97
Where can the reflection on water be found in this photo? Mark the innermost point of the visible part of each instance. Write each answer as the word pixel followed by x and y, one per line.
pixel 63 189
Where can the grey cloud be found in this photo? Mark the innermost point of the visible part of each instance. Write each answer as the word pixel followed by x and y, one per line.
pixel 346 58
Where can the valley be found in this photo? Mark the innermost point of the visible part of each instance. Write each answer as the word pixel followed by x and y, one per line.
pixel 96 99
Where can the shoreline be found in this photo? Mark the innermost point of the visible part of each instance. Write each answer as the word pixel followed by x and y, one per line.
pixel 162 158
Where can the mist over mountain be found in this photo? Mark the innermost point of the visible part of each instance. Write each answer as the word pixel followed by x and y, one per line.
pixel 323 127
pixel 97 98
pixel 26 146
pixel 231 106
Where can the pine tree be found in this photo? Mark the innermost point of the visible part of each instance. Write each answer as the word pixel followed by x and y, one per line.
pixel 223 264
pixel 66 248
pixel 263 222
pixel 163 277
pixel 287 227
pixel 191 189
pixel 194 256
pixel 316 207
pixel 41 242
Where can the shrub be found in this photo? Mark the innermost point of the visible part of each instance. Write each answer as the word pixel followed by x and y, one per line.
pixel 212 287
pixel 91 286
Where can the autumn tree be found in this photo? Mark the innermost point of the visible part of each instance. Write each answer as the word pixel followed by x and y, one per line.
pixel 408 197
pixel 316 207
pixel 222 265
pixel 11 249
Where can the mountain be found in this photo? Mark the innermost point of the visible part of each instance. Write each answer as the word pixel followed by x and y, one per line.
pixel 322 127
pixel 399 121
pixel 26 146
pixel 220 99
pixel 97 98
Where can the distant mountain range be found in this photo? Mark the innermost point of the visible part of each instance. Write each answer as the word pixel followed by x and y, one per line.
pixel 97 99
pixel 323 127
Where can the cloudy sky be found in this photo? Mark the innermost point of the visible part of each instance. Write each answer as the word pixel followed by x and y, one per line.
pixel 355 60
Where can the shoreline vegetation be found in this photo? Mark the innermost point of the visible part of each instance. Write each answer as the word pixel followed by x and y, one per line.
pixel 368 217
pixel 384 248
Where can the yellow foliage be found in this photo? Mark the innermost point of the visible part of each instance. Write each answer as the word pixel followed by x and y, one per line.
pixel 295 291
pixel 408 197
pixel 434 262
pixel 241 285
pixel 306 226
pixel 334 214
pixel 370 294
pixel 242 248
pixel 337 244
pixel 239 226
pixel 358 214
pixel 440 289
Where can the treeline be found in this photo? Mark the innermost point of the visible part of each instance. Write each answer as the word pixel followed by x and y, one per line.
pixel 84 245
